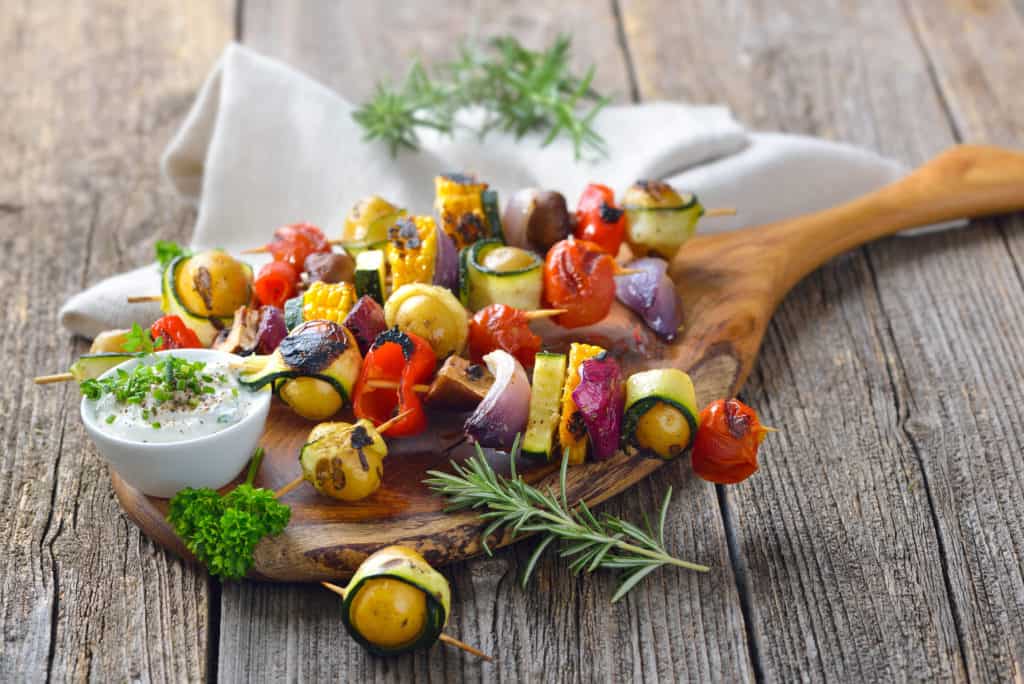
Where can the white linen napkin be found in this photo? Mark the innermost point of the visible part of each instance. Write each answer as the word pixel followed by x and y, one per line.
pixel 264 146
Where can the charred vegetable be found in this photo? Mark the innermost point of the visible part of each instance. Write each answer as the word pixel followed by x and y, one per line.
pixel 395 602
pixel 493 273
pixel 344 461
pixel 536 219
pixel 504 411
pixel 545 400
pixel 661 413
pixel 598 398
pixel 725 448
pixel 329 267
pixel 433 313
pixel 459 385
pixel 205 290
pixel 660 219
pixel 401 358
pixel 652 295
pixel 367 223
pixel 412 251
pixel 572 428
pixel 313 370
pixel 366 321
pixel 459 203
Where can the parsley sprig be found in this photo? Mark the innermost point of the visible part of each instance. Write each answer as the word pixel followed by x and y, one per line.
pixel 520 90
pixel 223 531
pixel 591 541
pixel 139 339
pixel 167 251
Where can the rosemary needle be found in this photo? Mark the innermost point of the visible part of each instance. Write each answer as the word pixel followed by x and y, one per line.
pixel 590 541
pixel 519 90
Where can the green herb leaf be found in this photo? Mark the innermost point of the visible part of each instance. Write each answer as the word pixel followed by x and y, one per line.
pixel 167 251
pixel 589 541
pixel 223 531
pixel 518 90
pixel 138 339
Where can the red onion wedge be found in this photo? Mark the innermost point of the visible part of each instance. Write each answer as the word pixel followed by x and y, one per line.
pixel 271 330
pixel 600 399
pixel 446 263
pixel 652 295
pixel 505 408
pixel 365 321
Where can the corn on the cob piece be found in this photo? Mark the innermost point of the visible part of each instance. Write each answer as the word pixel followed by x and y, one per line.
pixel 328 301
pixel 572 432
pixel 459 205
pixel 412 251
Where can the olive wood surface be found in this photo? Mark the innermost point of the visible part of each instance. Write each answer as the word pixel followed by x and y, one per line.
pixel 729 284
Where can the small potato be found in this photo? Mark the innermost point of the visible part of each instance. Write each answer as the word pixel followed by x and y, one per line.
pixel 431 312
pixel 109 341
pixel 311 398
pixel 213 283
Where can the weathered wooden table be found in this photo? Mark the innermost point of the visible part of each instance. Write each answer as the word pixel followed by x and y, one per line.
pixel 883 538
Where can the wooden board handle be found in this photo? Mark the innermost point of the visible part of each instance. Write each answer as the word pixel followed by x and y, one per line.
pixel 963 182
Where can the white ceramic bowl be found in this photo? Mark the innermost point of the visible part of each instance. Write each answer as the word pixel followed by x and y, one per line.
pixel 161 469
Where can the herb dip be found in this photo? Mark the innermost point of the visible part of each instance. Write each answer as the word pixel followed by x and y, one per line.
pixel 168 399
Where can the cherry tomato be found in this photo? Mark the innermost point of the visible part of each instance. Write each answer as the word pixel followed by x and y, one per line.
pixel 174 334
pixel 276 283
pixel 599 220
pixel 578 276
pixel 500 326
pixel 292 244
pixel 725 448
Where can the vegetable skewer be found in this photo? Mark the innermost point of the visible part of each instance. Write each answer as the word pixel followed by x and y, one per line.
pixel 452 641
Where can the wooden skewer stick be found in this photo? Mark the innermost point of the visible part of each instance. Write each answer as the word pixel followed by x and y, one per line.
pixel 289 487
pixel 451 641
pixel 255 250
pixel 544 313
pixel 391 421
pixel 391 384
pixel 626 271
pixel 720 211
pixel 56 377
pixel 141 299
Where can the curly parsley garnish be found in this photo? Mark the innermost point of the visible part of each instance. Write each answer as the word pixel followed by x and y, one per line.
pixel 223 531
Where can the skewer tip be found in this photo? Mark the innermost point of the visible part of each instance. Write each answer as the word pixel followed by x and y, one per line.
pixel 452 641
pixel 720 211
pixel 142 299
pixel 56 377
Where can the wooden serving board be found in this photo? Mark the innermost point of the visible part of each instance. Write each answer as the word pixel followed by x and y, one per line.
pixel 729 285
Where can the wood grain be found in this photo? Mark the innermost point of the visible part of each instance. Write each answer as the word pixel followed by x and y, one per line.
pixel 91 92
pixel 846 540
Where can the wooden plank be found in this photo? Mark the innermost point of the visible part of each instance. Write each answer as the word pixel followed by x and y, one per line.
pixel 676 626
pixel 845 538
pixel 975 456
pixel 349 46
pixel 92 91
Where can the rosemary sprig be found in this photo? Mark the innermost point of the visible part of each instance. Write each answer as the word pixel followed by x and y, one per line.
pixel 591 541
pixel 519 90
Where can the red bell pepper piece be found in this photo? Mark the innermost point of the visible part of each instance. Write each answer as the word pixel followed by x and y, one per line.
pixel 174 334
pixel 599 220
pixel 400 357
